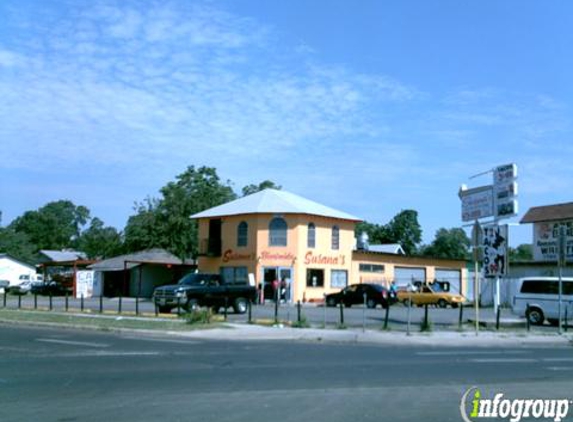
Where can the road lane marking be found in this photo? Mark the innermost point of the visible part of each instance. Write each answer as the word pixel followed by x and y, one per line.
pixel 109 354
pixel 162 340
pixel 503 360
pixel 72 343
pixel 560 368
pixel 557 359
pixel 466 353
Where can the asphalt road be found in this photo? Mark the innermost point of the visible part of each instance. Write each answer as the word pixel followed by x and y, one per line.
pixel 65 375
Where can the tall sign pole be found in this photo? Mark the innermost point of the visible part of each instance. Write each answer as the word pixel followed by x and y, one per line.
pixel 496 201
pixel 476 240
pixel 561 262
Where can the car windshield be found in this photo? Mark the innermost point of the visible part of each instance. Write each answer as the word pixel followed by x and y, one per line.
pixel 194 280
pixel 378 287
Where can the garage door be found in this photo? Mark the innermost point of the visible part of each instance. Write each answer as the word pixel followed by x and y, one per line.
pixel 454 277
pixel 406 275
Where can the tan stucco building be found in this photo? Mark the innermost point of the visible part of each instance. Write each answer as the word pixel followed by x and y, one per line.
pixel 308 247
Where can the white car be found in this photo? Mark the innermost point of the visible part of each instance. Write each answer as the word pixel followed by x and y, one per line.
pixel 538 299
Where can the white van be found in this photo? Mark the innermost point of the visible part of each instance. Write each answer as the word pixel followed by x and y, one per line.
pixel 542 296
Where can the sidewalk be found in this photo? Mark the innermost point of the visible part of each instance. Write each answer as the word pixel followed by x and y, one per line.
pixel 240 332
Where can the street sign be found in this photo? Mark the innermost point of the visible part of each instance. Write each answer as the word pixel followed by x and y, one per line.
pixel 505 191
pixel 476 203
pixel 495 241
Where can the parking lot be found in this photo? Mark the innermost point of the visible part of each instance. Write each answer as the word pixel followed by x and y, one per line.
pixel 399 317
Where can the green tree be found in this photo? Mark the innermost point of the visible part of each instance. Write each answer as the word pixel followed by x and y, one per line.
pixel 377 233
pixel 405 230
pixel 99 241
pixel 449 243
pixel 252 188
pixel 523 252
pixel 165 222
pixel 54 226
pixel 142 230
pixel 17 245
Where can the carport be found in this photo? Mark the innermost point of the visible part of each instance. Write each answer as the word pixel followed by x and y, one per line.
pixel 139 273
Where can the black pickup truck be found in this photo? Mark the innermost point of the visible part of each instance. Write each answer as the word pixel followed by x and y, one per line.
pixel 208 290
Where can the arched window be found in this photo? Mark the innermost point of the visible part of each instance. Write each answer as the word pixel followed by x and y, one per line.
pixel 311 236
pixel 242 234
pixel 278 232
pixel 335 238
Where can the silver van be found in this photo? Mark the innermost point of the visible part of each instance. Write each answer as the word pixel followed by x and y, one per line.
pixel 542 296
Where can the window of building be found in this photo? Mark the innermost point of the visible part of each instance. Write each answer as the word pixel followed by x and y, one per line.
pixel 314 277
pixel 311 240
pixel 371 268
pixel 235 275
pixel 338 279
pixel 278 232
pixel 335 238
pixel 242 234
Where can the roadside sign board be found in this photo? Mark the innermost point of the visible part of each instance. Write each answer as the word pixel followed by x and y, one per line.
pixel 553 241
pixel 495 241
pixel 476 203
pixel 505 191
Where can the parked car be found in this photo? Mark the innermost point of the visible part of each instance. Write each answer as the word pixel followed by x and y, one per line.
pixel 49 287
pixel 4 284
pixel 20 289
pixel 537 299
pixel 427 295
pixel 376 294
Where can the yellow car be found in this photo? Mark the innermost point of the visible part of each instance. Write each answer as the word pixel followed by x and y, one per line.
pixel 425 295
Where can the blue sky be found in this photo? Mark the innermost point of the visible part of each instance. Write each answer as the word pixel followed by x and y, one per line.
pixel 367 106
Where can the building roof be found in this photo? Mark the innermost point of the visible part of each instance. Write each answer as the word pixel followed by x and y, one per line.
pixel 65 255
pixel 272 201
pixel 8 256
pixel 394 248
pixel 549 213
pixel 149 256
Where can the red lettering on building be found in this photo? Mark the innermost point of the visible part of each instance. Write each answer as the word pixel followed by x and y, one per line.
pixel 277 256
pixel 229 255
pixel 320 259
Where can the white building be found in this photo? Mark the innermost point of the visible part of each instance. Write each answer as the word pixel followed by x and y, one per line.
pixel 11 269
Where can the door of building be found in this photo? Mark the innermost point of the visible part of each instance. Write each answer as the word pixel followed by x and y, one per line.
pixel 283 278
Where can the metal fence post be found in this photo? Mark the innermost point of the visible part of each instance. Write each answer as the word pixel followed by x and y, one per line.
pixel 364 312
pixel 51 304
pixel 387 316
pixel 341 312
pixel 497 316
pixel 35 301
pixel 82 302
pixel 298 309
pixel 225 312
pixel 119 304
pixel 178 306
pixel 101 303
pixel 250 309
pixel 19 301
pixel 461 317
pixel 5 295
pixel 426 326
pixel 67 301
pixel 137 305
pixel 527 324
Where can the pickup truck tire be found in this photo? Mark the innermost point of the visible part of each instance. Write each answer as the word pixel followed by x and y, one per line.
pixel 371 303
pixel 442 303
pixel 241 305
pixel 192 305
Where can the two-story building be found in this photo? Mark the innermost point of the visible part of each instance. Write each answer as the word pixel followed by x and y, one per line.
pixel 310 249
